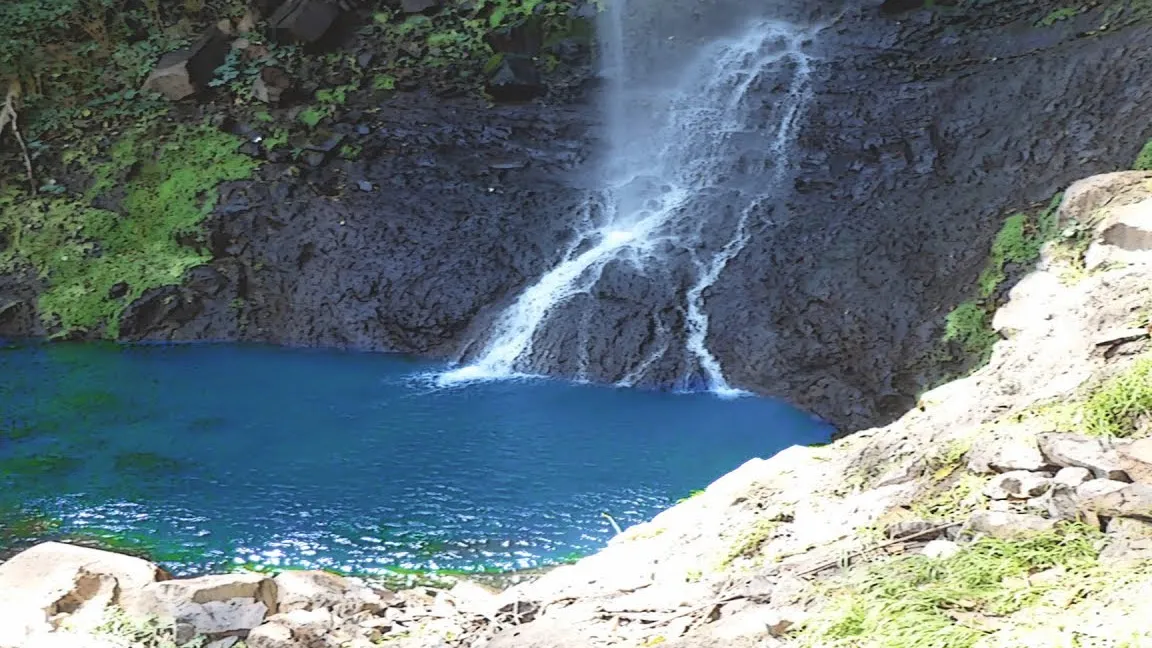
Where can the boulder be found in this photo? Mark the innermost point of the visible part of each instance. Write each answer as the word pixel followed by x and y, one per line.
pixel 306 628
pixel 1095 488
pixel 1076 450
pixel 42 586
pixel 269 635
pixel 475 598
pixel 1018 484
pixel 210 605
pixel 310 590
pixel 1005 525
pixel 515 79
pixel 1136 460
pixel 183 73
pixel 1072 476
pixel 1132 500
pixel 1011 449
pixel 1129 542
pixel 1059 502
pixel 271 84
pixel 1123 237
pixel 940 549
pixel 303 20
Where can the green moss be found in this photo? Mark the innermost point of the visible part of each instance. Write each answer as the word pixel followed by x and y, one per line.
pixel 969 324
pixel 911 602
pixel 1057 15
pixel 1122 405
pixel 748 543
pixel 96 262
pixel 1144 159
pixel 1018 242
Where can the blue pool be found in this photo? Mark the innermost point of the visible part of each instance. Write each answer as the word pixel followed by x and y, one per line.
pixel 205 457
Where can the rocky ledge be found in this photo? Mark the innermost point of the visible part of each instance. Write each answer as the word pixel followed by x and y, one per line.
pixel 1017 494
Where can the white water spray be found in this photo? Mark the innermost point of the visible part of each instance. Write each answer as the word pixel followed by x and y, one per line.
pixel 681 147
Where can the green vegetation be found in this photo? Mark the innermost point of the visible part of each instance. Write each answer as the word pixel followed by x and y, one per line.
pixel 950 499
pixel 144 633
pixel 921 602
pixel 95 261
pixel 1144 159
pixel 1122 405
pixel 1056 15
pixel 942 463
pixel 692 494
pixel 748 543
pixel 969 325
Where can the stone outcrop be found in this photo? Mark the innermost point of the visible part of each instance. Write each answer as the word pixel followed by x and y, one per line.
pixel 42 587
pixel 183 73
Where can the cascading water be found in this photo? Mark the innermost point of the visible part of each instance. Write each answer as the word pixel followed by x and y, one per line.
pixel 669 145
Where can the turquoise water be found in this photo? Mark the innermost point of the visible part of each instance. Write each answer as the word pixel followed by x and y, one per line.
pixel 208 456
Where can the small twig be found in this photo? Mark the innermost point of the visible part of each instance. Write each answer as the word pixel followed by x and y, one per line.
pixel 846 559
pixel 8 117
pixel 613 523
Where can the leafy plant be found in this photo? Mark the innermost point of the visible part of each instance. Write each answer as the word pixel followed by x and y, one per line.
pixel 920 602
pixel 312 116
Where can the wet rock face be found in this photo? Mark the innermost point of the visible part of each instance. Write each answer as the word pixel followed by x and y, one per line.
pixel 466 204
pixel 925 131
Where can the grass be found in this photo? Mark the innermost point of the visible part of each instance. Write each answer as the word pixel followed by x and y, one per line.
pixel 1122 405
pixel 950 499
pixel 920 602
pixel 1144 159
pixel 1017 243
pixel 748 543
pixel 95 261
pixel 942 463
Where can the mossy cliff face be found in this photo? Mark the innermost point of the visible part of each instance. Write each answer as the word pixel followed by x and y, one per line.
pixel 94 262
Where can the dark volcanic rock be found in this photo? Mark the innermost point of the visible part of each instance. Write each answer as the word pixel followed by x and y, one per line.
pixel 185 72
pixel 407 267
pixel 516 79
pixel 304 20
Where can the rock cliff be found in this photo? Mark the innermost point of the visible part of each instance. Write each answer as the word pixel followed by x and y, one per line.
pixel 1003 500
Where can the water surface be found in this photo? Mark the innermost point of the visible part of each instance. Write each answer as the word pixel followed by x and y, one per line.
pixel 211 456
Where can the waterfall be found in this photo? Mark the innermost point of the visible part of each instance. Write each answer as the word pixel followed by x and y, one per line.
pixel 668 145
